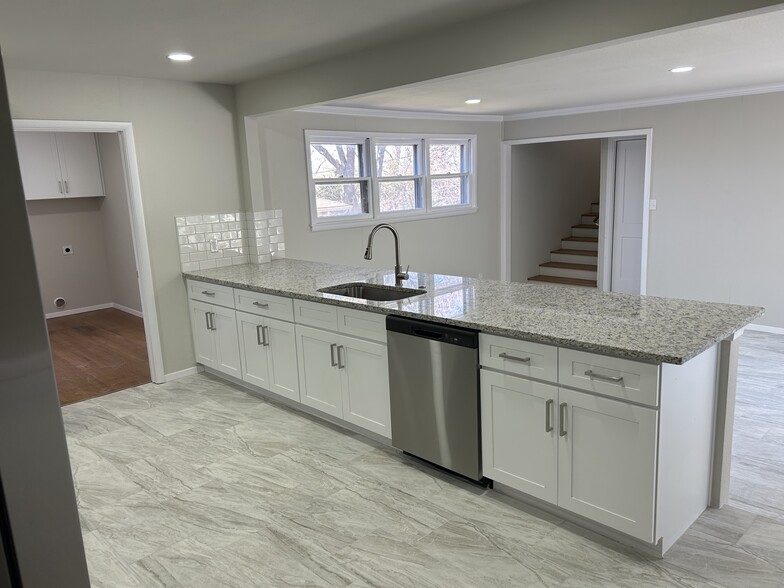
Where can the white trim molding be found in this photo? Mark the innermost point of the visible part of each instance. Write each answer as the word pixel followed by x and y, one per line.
pixel 399 114
pixel 138 225
pixel 765 329
pixel 70 311
pixel 191 371
pixel 128 310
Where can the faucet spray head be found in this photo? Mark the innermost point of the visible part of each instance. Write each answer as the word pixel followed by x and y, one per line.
pixel 369 253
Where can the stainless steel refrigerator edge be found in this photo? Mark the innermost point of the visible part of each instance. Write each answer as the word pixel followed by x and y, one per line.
pixel 40 536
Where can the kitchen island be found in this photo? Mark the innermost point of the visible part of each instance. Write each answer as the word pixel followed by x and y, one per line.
pixel 644 385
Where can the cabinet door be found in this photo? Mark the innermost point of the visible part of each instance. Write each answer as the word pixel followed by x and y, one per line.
pixel 519 435
pixel 203 341
pixel 365 374
pixel 607 462
pixel 80 165
pixel 319 377
pixel 253 352
pixel 282 358
pixel 227 346
pixel 39 165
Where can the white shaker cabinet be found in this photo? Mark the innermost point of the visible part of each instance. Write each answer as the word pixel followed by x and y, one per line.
pixel 59 165
pixel 365 383
pixel 215 337
pixel 268 354
pixel 319 375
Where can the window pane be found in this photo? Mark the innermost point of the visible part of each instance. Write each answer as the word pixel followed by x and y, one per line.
pixel 396 160
pixel 446 159
pixel 398 195
pixel 448 191
pixel 341 199
pixel 330 161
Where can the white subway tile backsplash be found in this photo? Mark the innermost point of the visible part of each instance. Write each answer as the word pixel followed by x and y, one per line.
pixel 231 238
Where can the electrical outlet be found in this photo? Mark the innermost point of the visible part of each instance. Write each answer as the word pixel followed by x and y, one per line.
pixel 67 250
pixel 652 205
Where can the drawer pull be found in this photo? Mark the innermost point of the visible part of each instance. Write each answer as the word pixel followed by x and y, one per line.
pixel 514 358
pixel 562 420
pixel 208 293
pixel 548 415
pixel 613 379
pixel 261 304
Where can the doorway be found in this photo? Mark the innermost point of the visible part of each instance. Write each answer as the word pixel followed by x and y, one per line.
pixel 130 314
pixel 615 220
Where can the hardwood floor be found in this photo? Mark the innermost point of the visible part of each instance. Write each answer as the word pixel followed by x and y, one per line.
pixel 96 353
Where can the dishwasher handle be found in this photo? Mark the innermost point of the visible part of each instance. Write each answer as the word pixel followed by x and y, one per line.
pixel 429 334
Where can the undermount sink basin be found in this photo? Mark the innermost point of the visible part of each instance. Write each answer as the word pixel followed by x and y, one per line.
pixel 372 291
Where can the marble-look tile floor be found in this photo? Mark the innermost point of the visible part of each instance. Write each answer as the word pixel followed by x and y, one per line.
pixel 198 483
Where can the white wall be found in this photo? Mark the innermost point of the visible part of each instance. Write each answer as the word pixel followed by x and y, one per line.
pixel 465 245
pixel 552 185
pixel 82 278
pixel 116 218
pixel 716 175
pixel 187 153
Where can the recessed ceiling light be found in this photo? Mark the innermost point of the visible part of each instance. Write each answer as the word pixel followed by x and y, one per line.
pixel 473 101
pixel 682 69
pixel 180 56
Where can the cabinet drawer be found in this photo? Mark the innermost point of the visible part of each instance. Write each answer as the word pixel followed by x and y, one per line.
pixel 523 358
pixel 368 325
pixel 619 378
pixel 316 314
pixel 278 307
pixel 212 293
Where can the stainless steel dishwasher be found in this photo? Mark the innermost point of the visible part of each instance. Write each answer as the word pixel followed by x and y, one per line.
pixel 434 393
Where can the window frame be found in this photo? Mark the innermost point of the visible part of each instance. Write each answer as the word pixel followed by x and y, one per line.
pixel 423 180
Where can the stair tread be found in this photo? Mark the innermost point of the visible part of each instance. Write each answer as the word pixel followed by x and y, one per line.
pixel 582 239
pixel 574 266
pixel 581 226
pixel 585 252
pixel 559 280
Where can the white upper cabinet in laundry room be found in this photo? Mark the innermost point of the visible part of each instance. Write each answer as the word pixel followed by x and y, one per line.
pixel 59 165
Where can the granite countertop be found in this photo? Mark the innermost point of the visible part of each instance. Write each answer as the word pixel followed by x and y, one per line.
pixel 646 328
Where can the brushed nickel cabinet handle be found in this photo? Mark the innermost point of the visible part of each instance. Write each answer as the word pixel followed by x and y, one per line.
pixel 207 319
pixel 212 320
pixel 66 186
pixel 265 333
pixel 562 420
pixel 60 186
pixel 613 379
pixel 261 304
pixel 332 354
pixel 514 358
pixel 341 358
pixel 260 334
pixel 208 293
pixel 548 415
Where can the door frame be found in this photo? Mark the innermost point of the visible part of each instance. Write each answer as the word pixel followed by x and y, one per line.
pixel 138 226
pixel 607 188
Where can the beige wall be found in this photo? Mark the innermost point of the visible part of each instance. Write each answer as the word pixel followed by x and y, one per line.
pixel 552 185
pixel 716 176
pixel 120 258
pixel 187 154
pixel 465 245
pixel 82 278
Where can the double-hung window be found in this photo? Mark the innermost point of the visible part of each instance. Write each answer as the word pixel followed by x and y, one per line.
pixel 360 178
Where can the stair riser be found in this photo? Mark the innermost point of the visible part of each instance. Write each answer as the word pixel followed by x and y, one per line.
pixel 580 245
pixel 585 232
pixel 595 208
pixel 567 273
pixel 587 219
pixel 567 258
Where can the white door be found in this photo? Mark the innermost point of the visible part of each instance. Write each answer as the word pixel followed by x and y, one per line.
pixel 227 346
pixel 253 351
pixel 203 341
pixel 282 358
pixel 519 435
pixel 365 374
pixel 629 192
pixel 39 165
pixel 80 164
pixel 607 462
pixel 319 376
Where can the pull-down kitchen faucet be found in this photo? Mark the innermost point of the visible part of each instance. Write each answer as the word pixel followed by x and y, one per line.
pixel 400 275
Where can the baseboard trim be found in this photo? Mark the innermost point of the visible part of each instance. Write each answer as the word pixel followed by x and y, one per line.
pixel 191 371
pixel 765 329
pixel 60 313
pixel 129 310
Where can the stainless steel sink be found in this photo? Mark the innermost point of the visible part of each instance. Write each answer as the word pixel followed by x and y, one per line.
pixel 372 291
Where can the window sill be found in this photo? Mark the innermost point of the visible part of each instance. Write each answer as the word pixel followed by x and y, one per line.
pixel 390 218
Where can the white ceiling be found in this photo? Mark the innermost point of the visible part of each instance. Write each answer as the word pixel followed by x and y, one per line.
pixel 232 40
pixel 736 53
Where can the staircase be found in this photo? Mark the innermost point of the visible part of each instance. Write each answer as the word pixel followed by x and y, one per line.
pixel 574 264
